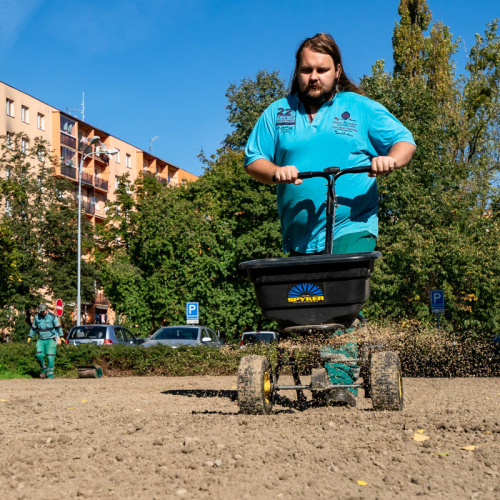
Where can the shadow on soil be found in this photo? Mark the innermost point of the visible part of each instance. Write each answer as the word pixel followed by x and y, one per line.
pixel 289 405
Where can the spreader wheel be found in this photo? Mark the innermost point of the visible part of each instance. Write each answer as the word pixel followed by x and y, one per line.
pixel 93 371
pixel 386 382
pixel 255 386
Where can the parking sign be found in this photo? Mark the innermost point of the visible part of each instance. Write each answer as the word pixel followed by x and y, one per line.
pixel 437 301
pixel 192 313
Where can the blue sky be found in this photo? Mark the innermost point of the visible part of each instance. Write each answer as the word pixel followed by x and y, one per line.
pixel 162 67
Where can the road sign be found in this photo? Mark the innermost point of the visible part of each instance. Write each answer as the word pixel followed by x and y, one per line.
pixel 192 313
pixel 59 307
pixel 437 301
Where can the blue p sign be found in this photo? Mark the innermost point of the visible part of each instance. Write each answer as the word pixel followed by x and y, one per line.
pixel 192 313
pixel 437 301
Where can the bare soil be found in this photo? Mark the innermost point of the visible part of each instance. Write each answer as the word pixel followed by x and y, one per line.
pixel 158 437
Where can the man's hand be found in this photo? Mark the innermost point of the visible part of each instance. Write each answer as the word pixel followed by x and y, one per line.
pixel 29 340
pixel 287 175
pixel 382 165
pixel 58 340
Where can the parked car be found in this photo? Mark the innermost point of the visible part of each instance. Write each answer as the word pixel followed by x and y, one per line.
pixel 267 337
pixel 184 335
pixel 101 335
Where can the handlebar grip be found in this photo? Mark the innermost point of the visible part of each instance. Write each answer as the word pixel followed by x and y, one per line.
pixel 359 170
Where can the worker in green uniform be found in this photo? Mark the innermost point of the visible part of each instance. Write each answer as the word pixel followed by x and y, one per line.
pixel 49 331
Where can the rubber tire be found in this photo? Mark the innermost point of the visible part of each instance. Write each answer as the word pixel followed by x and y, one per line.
pixel 94 371
pixel 252 398
pixel 386 381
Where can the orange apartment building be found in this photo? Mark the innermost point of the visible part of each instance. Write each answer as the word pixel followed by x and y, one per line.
pixel 68 137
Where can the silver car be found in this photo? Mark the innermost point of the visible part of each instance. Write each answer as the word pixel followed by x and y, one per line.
pixel 101 335
pixel 266 337
pixel 184 335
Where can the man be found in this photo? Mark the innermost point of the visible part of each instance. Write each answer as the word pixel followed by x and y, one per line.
pixel 326 121
pixel 49 332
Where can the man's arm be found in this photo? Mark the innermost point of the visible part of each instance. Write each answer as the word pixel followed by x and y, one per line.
pixel 267 172
pixel 399 155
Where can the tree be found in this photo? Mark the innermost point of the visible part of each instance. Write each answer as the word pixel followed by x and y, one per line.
pixel 185 244
pixel 247 101
pixel 435 227
pixel 39 220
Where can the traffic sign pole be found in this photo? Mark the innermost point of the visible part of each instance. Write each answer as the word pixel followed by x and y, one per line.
pixel 437 307
pixel 192 313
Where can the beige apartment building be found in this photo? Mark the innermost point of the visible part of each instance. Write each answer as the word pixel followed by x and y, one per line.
pixel 69 137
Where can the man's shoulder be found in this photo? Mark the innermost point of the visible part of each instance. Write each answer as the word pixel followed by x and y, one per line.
pixel 361 100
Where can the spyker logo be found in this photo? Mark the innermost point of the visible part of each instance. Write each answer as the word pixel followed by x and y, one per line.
pixel 305 293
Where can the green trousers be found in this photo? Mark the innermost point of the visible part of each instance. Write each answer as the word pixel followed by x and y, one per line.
pixel 342 373
pixel 46 349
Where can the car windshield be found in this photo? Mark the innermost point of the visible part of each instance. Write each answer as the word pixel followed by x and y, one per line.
pixel 173 333
pixel 252 338
pixel 88 332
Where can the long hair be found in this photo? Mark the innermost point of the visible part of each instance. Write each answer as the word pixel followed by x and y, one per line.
pixel 324 44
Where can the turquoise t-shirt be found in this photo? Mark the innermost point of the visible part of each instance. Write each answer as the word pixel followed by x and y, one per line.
pixel 346 132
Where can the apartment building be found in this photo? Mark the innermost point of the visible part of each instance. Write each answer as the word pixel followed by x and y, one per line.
pixel 69 137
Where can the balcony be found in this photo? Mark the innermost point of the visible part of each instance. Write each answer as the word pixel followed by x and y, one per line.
pixel 147 173
pixel 68 171
pixel 101 184
pixel 68 140
pixel 103 158
pixel 101 214
pixel 101 299
pixel 89 208
pixel 161 179
pixel 87 179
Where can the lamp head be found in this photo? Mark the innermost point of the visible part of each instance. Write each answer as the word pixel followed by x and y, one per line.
pixel 95 139
pixel 112 151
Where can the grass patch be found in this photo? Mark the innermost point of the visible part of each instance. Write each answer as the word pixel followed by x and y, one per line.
pixel 10 374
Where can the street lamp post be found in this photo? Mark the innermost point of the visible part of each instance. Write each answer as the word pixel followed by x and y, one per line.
pixel 96 139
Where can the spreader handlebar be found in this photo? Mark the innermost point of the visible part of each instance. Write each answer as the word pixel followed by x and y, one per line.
pixel 332 172
pixel 335 172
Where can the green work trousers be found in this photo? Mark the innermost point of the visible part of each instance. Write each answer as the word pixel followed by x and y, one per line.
pixel 342 373
pixel 46 349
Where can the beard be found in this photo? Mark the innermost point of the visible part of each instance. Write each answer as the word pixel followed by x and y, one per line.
pixel 317 99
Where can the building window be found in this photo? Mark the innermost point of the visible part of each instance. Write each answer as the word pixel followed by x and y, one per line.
pixel 117 182
pixel 25 117
pixel 117 157
pixel 127 161
pixel 40 121
pixel 67 156
pixel 10 140
pixel 41 154
pixel 24 145
pixel 10 107
pixel 67 126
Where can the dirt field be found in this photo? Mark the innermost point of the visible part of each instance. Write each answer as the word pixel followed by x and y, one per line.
pixel 184 438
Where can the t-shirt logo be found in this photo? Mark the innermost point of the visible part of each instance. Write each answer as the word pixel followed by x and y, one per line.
pixel 345 125
pixel 285 119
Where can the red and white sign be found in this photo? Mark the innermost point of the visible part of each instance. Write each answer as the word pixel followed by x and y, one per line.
pixel 59 307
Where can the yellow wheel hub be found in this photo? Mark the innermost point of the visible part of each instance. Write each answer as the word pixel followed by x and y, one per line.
pixel 267 387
